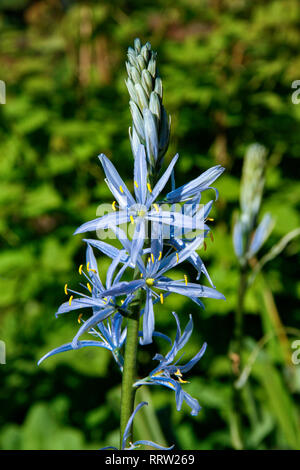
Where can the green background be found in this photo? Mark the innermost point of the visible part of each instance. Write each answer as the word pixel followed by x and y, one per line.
pixel 227 69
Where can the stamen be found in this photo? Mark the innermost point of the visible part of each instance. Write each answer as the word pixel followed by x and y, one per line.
pixel 141 274
pixel 178 373
pixel 89 287
pixel 121 189
pixel 149 187
pixel 185 279
pixel 211 236
pixel 66 289
pixel 80 268
pixel 131 219
pixel 158 373
pixel 152 258
pixel 122 301
pixel 210 219
pixel 161 298
pixel 136 185
pixel 160 255
pixel 156 207
pixel 150 281
pixel 70 299
pixel 93 270
pixel 204 244
pixel 79 318
pixel 182 381
pixel 114 205
pixel 88 266
pixel 177 256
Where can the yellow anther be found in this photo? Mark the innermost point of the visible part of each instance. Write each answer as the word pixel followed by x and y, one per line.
pixel 160 255
pixel 204 244
pixel 131 219
pixel 89 287
pixel 121 189
pixel 182 381
pixel 105 299
pixel 150 281
pixel 158 373
pixel 161 298
pixel 211 236
pixel 66 289
pixel 149 259
pixel 177 256
pixel 79 318
pixel 136 185
pixel 210 219
pixel 88 266
pixel 185 279
pixel 178 373
pixel 114 205
pixel 156 207
pixel 80 269
pixel 70 299
pixel 122 301
pixel 141 274
pixel 93 270
pixel 149 187
pixel 152 258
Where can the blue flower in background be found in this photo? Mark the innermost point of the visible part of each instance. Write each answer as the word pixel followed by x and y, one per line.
pixel 135 444
pixel 167 369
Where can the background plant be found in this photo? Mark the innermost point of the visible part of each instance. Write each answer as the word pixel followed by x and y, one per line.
pixel 66 101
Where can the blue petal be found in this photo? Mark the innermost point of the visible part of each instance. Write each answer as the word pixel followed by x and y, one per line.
pixel 115 183
pixel 137 240
pixel 261 234
pixel 124 288
pixel 129 423
pixel 152 444
pixel 180 256
pixel 188 366
pixel 148 320
pixel 85 302
pixel 195 186
pixel 91 322
pixel 189 289
pixel 140 175
pixel 69 347
pixel 112 268
pixel 111 219
pixel 107 249
pixel 238 239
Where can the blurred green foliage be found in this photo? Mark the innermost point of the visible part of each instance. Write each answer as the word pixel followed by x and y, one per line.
pixel 227 68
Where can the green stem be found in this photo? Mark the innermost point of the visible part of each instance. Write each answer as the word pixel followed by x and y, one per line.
pixel 129 368
pixel 238 349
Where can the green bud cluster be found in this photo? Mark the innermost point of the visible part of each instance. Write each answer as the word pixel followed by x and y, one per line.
pixel 150 123
pixel 252 184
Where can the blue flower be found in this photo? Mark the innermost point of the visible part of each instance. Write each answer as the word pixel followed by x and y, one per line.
pixel 196 186
pixel 169 373
pixel 103 305
pixel 139 210
pixel 136 444
pixel 153 276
